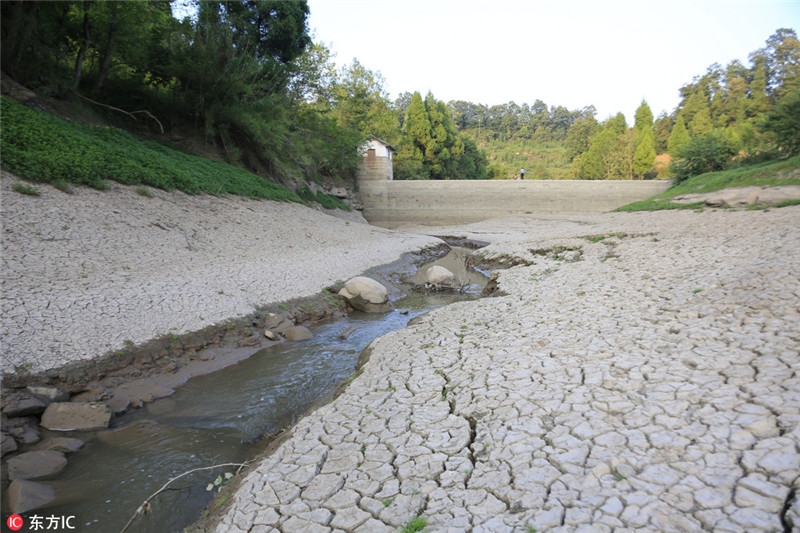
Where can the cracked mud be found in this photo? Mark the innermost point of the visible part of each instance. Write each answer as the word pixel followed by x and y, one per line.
pixel 644 382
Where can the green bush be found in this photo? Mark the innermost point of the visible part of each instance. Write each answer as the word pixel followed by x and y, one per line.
pixel 703 153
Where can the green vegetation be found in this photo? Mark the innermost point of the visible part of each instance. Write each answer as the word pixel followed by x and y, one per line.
pixel 41 147
pixel 769 173
pixel 234 76
pixel 245 79
pixel 325 200
pixel 701 154
pixel 26 189
pixel 755 109
pixel 417 523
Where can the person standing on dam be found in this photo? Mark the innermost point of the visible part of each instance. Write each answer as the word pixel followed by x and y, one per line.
pixel 522 173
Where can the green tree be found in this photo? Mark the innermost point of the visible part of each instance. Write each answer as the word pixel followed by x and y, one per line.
pixel 446 145
pixel 784 123
pixel 361 102
pixel 579 137
pixel 644 150
pixel 234 68
pixel 409 162
pixel 701 122
pixel 678 138
pixel 781 58
pixel 644 153
pixel 609 153
pixel 663 128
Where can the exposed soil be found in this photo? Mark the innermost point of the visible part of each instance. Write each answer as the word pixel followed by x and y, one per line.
pixel 140 374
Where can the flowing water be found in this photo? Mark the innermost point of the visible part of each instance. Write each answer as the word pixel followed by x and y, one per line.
pixel 219 418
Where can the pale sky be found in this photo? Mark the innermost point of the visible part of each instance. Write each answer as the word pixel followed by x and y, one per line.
pixel 607 54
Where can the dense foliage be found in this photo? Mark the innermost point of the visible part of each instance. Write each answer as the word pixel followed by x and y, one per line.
pixel 45 148
pixel 231 72
pixel 246 75
pixel 703 153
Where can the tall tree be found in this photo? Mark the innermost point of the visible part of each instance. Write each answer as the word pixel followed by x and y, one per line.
pixel 361 102
pixel 410 160
pixel 784 123
pixel 609 154
pixel 781 56
pixel 579 137
pixel 644 150
pixel 678 138
pixel 663 128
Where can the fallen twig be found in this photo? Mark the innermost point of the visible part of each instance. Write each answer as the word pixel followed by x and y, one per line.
pixel 145 507
pixel 129 113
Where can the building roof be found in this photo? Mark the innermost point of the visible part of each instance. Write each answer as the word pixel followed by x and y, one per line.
pixel 389 146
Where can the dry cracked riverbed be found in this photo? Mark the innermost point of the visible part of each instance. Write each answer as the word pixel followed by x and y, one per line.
pixel 641 381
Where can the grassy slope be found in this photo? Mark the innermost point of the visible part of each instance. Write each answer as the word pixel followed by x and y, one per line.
pixel 41 147
pixel 770 173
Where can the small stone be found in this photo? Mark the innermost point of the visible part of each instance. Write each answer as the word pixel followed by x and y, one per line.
pixel 298 333
pixel 7 443
pixel 51 394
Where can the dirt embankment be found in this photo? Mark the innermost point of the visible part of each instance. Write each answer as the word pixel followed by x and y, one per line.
pixel 118 285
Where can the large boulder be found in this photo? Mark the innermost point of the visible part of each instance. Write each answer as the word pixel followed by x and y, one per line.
pixel 69 416
pixel 440 278
pixel 366 294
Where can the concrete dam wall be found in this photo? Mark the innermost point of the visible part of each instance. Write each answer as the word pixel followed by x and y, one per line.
pixel 394 203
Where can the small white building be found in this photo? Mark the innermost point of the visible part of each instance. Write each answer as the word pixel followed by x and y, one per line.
pixel 377 159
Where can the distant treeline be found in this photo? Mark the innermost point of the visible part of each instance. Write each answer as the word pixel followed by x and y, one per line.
pixel 247 77
pixel 731 103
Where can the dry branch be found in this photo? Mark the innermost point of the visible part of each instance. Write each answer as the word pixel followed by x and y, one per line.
pixel 145 507
pixel 129 113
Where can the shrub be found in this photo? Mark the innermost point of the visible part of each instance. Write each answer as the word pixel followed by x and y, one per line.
pixel 25 189
pixel 703 153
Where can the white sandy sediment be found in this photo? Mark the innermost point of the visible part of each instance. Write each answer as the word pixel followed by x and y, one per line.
pixel 84 272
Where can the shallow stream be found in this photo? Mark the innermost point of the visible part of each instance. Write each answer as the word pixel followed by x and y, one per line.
pixel 221 418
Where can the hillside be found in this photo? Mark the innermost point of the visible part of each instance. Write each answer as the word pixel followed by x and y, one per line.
pixel 691 193
pixel 42 147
